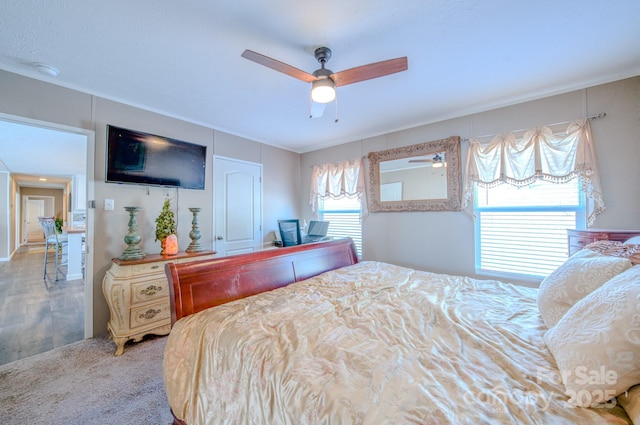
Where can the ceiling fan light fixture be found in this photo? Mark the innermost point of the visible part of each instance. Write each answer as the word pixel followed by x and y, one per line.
pixel 323 90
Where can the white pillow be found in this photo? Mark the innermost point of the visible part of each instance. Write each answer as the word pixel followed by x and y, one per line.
pixel 597 343
pixel 634 240
pixel 583 272
pixel 630 401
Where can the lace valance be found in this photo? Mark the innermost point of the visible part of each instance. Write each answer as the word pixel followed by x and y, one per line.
pixel 538 155
pixel 335 181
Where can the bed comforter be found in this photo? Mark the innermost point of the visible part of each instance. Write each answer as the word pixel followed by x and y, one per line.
pixel 372 343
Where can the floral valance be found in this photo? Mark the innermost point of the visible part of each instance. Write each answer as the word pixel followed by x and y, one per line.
pixel 335 181
pixel 538 155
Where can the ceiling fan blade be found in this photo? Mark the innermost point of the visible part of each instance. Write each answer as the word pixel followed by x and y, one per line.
pixel 372 70
pixel 278 66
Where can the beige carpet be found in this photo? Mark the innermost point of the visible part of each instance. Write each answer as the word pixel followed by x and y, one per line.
pixel 84 383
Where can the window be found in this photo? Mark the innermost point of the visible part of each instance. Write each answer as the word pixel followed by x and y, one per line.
pixel 338 196
pixel 522 231
pixel 524 193
pixel 344 218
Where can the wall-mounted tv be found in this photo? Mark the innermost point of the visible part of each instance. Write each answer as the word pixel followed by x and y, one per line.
pixel 140 158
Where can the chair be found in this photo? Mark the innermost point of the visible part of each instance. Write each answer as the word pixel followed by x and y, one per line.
pixel 52 240
pixel 290 232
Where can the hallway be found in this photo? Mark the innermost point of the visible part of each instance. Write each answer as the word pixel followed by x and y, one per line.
pixel 37 315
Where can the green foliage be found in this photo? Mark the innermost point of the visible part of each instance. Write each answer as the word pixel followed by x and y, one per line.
pixel 165 223
pixel 58 225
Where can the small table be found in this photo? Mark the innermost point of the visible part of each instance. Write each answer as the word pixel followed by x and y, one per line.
pixel 75 237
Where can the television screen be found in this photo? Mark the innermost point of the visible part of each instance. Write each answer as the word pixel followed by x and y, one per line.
pixel 140 158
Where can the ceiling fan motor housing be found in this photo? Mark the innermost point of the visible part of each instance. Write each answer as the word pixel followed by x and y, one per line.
pixel 322 73
pixel 322 54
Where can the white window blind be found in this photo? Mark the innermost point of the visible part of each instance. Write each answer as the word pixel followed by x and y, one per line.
pixel 344 219
pixel 522 231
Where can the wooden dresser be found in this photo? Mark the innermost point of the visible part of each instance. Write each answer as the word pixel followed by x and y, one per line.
pixel 137 293
pixel 578 239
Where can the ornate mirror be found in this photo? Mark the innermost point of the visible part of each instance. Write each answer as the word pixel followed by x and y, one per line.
pixel 422 177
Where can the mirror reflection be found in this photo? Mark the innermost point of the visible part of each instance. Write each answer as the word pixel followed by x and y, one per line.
pixel 413 178
pixel 422 177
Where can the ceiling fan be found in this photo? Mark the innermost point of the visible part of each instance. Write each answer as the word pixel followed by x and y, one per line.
pixel 437 161
pixel 324 81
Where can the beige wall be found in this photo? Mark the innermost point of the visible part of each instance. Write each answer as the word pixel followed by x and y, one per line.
pixel 36 100
pixel 444 241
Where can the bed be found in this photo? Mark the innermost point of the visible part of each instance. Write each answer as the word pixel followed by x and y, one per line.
pixel 310 335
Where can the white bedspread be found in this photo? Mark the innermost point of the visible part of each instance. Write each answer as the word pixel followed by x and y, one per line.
pixel 372 344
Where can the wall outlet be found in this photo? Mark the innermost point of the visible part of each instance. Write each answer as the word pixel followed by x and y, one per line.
pixel 109 205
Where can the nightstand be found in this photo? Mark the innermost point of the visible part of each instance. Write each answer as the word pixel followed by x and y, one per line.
pixel 137 293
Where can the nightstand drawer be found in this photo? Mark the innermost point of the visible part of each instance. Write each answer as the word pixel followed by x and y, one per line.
pixel 582 241
pixel 148 290
pixel 153 313
pixel 148 268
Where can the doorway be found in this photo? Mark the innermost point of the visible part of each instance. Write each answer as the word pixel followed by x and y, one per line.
pixel 36 207
pixel 24 228
pixel 237 205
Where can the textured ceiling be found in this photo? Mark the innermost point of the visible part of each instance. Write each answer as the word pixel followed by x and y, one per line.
pixel 182 58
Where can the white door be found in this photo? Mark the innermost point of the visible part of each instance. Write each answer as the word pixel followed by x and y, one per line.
pixel 238 206
pixel 35 209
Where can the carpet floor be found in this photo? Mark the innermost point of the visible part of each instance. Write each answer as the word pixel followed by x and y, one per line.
pixel 84 383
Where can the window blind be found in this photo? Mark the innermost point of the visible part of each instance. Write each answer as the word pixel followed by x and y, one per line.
pixel 522 231
pixel 344 219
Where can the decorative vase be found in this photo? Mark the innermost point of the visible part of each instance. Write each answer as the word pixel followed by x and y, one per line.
pixel 132 239
pixel 194 234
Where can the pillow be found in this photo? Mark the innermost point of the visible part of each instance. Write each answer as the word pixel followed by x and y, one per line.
pixel 630 401
pixel 597 343
pixel 583 272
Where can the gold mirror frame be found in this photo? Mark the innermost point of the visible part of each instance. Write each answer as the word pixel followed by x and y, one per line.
pixel 450 146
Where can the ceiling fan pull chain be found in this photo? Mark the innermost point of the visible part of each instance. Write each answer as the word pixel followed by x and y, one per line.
pixel 336 108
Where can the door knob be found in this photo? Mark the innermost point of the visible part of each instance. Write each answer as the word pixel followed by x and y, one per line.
pixel 219 238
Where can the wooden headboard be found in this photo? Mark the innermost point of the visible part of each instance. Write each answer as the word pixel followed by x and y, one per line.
pixel 198 285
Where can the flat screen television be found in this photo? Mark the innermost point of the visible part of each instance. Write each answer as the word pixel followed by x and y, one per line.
pixel 140 158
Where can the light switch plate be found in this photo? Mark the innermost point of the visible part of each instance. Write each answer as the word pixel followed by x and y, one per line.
pixel 109 205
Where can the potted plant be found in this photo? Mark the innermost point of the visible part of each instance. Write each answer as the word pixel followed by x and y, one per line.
pixel 58 222
pixel 165 224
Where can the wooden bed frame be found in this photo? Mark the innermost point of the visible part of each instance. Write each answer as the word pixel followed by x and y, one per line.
pixel 198 285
